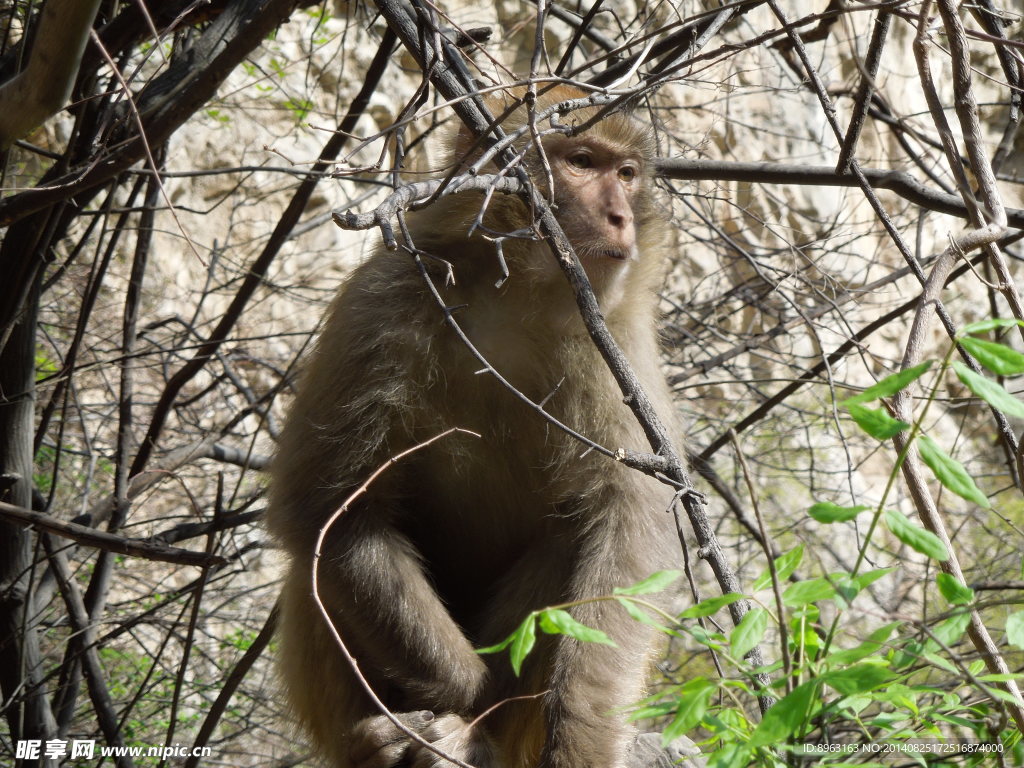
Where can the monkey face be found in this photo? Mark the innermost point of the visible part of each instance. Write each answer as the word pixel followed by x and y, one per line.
pixel 597 183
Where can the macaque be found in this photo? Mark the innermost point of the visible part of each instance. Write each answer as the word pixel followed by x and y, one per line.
pixel 452 546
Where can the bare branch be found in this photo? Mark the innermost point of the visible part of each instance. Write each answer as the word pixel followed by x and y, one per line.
pixel 107 542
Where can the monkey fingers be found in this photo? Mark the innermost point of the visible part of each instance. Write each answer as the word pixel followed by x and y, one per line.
pixel 457 738
pixel 376 742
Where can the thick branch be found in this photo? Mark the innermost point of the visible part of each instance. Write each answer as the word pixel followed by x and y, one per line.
pixel 900 182
pixel 42 88
pixel 168 101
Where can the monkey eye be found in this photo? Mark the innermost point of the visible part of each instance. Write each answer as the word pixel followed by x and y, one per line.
pixel 579 160
pixel 627 173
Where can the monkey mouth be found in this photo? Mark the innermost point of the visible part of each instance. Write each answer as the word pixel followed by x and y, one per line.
pixel 610 253
pixel 605 252
pixel 616 254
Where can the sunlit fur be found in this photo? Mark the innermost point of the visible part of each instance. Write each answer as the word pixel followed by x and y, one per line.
pixel 454 545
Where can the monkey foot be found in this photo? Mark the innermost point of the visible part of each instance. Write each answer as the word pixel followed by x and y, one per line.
pixel 379 743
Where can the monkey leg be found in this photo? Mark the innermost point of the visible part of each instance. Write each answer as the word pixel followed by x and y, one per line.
pixel 589 683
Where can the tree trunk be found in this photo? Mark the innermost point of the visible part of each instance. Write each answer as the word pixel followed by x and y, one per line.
pixel 29 715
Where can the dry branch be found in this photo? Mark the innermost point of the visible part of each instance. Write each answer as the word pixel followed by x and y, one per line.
pixel 109 542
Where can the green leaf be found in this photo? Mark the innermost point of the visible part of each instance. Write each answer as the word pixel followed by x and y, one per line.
pixel 961 721
pixel 656 582
pixel 661 709
pixel 523 640
pixel 749 632
pixel 693 703
pixel 925 542
pixel 950 472
pixel 804 641
pixel 998 358
pixel 890 385
pixel 954 592
pixel 937 661
pixel 1001 677
pixel 710 606
pixel 788 562
pixel 785 564
pixel 859 678
pixel 827 512
pixel 1015 629
pixel 984 326
pixel 991 392
pixel 731 755
pixel 500 646
pixel 999 693
pixel 786 716
pixel 810 591
pixel 555 621
pixel 870 577
pixel 639 614
pixel 875 421
pixel 952 629
pixel 846 588
pixel 869 647
pixel 714 640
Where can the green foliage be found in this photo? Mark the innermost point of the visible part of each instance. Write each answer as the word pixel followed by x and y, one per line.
pixel 998 358
pixel 552 621
pixel 954 592
pixel 240 639
pixel 890 385
pixel 989 391
pixel 300 108
pixel 43 477
pixel 749 632
pixel 827 512
pixel 840 694
pixel 950 472
pixel 925 542
pixel 218 116
pixel 876 422
pixel 710 606
pixel 46 366
pixel 657 582
pixel 556 620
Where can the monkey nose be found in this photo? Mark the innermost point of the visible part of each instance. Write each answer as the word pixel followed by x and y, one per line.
pixel 618 213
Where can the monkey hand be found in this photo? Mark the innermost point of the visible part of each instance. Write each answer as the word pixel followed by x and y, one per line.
pixel 379 743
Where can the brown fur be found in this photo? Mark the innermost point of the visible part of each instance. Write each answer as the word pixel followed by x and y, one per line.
pixel 453 546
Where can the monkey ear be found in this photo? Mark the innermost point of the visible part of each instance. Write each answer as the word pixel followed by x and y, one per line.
pixel 461 146
pixel 465 149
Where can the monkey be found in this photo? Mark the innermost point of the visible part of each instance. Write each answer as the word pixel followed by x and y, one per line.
pixel 456 543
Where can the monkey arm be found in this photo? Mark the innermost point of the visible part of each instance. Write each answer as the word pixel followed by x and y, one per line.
pixel 375 588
